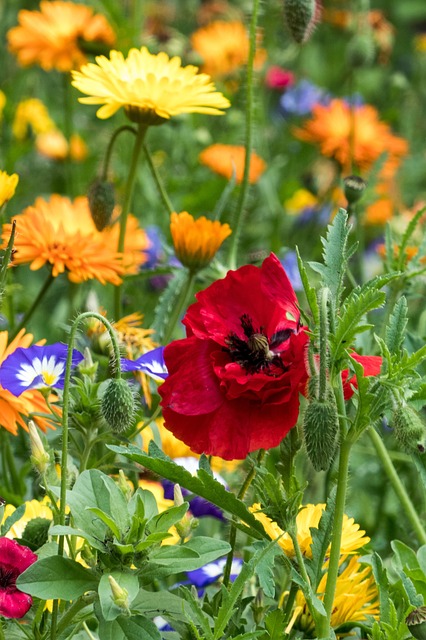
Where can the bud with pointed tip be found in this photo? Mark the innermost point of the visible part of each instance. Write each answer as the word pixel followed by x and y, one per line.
pixel 301 16
pixel 101 202
pixel 120 595
pixel 39 456
pixel 118 405
pixel 320 429
pixel 409 429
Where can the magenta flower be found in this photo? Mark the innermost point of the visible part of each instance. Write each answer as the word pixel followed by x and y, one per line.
pixel 14 559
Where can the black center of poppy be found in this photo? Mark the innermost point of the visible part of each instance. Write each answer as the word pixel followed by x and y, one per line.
pixel 8 576
pixel 256 352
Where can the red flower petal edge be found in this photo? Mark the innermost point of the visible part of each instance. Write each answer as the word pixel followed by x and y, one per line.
pixel 371 365
pixel 234 381
pixel 14 559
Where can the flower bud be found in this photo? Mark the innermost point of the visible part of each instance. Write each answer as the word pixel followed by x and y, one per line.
pixel 101 202
pixel 87 366
pixel 124 485
pixel 39 456
pixel 360 51
pixel 320 428
pixel 120 595
pixel 118 405
pixel 416 623
pixel 409 429
pixel 301 17
pixel 354 187
pixel 177 495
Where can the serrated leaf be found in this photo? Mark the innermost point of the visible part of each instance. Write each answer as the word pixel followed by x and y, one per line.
pixel 265 571
pixel 274 624
pixel 198 615
pixel 310 292
pixel 395 331
pixel 382 582
pixel 411 227
pixel 202 485
pixel 321 539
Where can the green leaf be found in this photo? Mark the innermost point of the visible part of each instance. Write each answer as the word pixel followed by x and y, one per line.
pixel 125 628
pixel 167 301
pixel 405 556
pixel 382 581
pixel 395 331
pixel 202 485
pixel 64 530
pixel 10 520
pixel 191 555
pixel 411 227
pixel 265 570
pixel 335 255
pixel 274 624
pixel 198 615
pixel 126 580
pixel 148 602
pixel 166 519
pixel 310 292
pixel 321 539
pixel 57 577
pixel 107 520
pixel 95 489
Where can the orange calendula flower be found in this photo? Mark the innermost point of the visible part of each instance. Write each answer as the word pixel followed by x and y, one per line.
pixel 8 184
pixel 14 410
pixel 224 48
pixel 61 233
pixel 54 37
pixel 228 160
pixel 196 242
pixel 345 133
pixel 52 145
pixel 353 537
pixel 151 88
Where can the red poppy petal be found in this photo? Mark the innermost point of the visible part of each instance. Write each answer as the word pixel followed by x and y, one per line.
pixel 14 603
pixel 371 366
pixel 192 387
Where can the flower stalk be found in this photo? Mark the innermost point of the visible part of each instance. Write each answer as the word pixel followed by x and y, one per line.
pixel 181 304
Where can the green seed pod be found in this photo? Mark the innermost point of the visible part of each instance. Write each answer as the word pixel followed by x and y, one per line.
pixel 360 51
pixel 409 429
pixel 101 202
pixel 320 429
pixel 354 187
pixel 301 17
pixel 118 405
pixel 416 623
pixel 36 533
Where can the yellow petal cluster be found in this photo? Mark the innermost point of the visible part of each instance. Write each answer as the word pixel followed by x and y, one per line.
pixel 151 88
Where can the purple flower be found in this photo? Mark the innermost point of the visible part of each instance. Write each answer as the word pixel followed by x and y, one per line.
pixel 299 99
pixel 212 572
pixel 152 363
pixel 155 252
pixel 289 263
pixel 36 367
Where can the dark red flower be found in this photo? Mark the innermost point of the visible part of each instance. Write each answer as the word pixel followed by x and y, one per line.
pixel 278 78
pixel 371 366
pixel 234 381
pixel 14 559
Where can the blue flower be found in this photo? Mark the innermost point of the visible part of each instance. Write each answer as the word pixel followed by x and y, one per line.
pixel 212 572
pixel 152 363
pixel 36 367
pixel 299 99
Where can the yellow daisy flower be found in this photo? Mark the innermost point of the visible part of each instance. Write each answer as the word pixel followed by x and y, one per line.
pixel 31 113
pixel 353 537
pixel 33 509
pixel 355 599
pixel 151 88
pixel 196 242
pixel 8 184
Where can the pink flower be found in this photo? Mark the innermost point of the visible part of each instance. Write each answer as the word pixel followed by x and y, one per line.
pixel 14 559
pixel 278 78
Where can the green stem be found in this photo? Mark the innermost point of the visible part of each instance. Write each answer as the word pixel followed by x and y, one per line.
pixel 158 181
pixel 2 636
pixel 108 153
pixel 233 530
pixel 65 436
pixel 180 305
pixel 69 615
pixel 30 311
pixel 323 630
pixel 323 341
pixel 237 218
pixel 289 604
pixel 397 485
pixel 126 206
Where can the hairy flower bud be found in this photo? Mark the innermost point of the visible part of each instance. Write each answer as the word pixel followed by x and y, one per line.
pixel 320 429
pixel 409 429
pixel 118 405
pixel 301 17
pixel 360 51
pixel 101 202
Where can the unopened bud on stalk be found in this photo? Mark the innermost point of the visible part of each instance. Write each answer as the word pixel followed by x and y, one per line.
pixel 301 17
pixel 87 366
pixel 416 623
pixel 39 456
pixel 360 51
pixel 118 405
pixel 177 496
pixel 409 429
pixel 120 595
pixel 124 485
pixel 101 202
pixel 320 429
pixel 354 187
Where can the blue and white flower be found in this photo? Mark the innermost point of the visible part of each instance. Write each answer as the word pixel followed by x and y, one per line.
pixel 36 367
pixel 152 363
pixel 212 572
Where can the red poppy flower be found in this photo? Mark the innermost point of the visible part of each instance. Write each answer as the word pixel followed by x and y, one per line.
pixel 234 381
pixel 371 366
pixel 14 559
